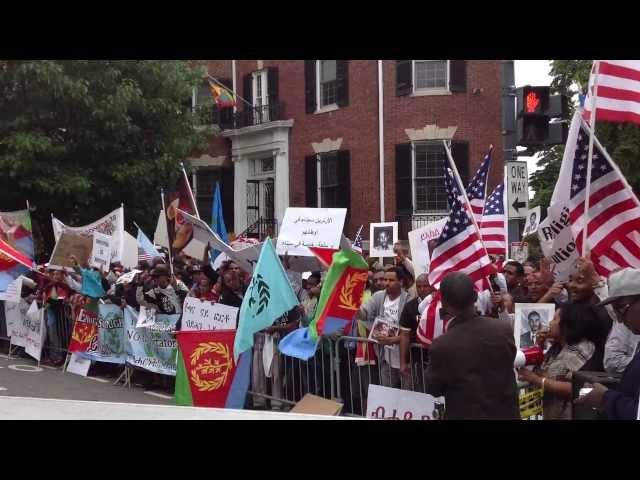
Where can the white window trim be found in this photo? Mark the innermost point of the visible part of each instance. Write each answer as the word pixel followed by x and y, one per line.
pixel 414 211
pixel 254 86
pixel 424 92
pixel 327 108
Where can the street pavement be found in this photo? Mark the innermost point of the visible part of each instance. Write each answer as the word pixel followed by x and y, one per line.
pixel 21 377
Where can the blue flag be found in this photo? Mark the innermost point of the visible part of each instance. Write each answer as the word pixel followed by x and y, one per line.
pixel 217 220
pixel 268 297
pixel 146 250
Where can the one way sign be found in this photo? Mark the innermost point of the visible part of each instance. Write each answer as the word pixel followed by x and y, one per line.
pixel 517 189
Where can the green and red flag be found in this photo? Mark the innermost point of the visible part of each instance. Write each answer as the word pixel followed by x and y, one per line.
pixel 222 96
pixel 206 374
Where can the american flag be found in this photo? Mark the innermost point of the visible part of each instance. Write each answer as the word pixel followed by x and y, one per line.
pixel 431 324
pixel 613 233
pixel 492 223
pixel 459 248
pixel 618 95
pixel 477 188
pixel 357 242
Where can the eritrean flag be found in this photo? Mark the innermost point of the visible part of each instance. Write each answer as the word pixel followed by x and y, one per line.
pixel 340 299
pixel 206 374
pixel 221 96
pixel 16 246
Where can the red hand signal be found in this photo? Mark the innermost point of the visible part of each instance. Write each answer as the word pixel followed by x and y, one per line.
pixel 533 100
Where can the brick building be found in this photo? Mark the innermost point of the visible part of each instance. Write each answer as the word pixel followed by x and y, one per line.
pixel 312 136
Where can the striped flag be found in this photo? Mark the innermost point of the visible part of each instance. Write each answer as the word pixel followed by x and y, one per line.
pixel 432 322
pixel 477 188
pixel 357 242
pixel 146 250
pixel 492 226
pixel 613 233
pixel 459 248
pixel 618 91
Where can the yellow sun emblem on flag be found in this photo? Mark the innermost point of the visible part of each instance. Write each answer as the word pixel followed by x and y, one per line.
pixel 346 293
pixel 210 366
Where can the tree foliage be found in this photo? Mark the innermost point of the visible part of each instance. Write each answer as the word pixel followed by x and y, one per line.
pixel 622 141
pixel 78 137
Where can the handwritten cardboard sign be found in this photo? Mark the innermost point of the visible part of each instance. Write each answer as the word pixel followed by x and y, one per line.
pixel 101 251
pixel 419 244
pixel 310 227
pixel 202 315
pixel 387 403
pixel 71 244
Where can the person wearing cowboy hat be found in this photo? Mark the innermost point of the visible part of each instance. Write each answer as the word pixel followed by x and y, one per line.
pixel 165 297
pixel 621 402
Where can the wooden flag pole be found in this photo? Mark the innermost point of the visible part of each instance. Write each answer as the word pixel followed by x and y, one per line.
pixel 592 134
pixel 166 219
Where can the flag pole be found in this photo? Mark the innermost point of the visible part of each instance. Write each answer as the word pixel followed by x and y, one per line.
pixel 166 219
pixel 592 133
pixel 466 199
pixel 193 200
pixel 505 209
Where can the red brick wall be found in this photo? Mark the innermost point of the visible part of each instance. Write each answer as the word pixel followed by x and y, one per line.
pixel 478 117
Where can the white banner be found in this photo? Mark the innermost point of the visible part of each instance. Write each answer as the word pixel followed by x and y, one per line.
pixel 557 242
pixel 36 331
pixel 419 244
pixel 111 225
pixel 202 315
pixel 101 252
pixel 395 404
pixel 79 365
pixel 310 227
pixel 16 320
pixel 13 291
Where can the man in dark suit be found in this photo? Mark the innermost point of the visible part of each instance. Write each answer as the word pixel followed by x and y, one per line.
pixel 472 362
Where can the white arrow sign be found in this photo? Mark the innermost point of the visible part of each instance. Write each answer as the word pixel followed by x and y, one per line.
pixel 517 189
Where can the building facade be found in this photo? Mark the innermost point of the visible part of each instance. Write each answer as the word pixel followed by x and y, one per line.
pixel 316 132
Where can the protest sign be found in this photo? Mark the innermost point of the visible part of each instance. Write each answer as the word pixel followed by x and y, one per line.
pixel 13 291
pixel 382 237
pixel 109 344
pixel 146 317
pixel 111 225
pixel 152 349
pixel 310 227
pixel 245 257
pixel 532 222
pixel 419 244
pixel 101 251
pixel 519 251
pixel 71 244
pixel 395 404
pixel 203 315
pixel 128 277
pixel 35 332
pixel 557 241
pixel 78 365
pixel 16 321
pixel 85 330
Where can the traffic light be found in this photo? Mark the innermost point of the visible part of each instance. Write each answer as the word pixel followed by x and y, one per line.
pixel 536 107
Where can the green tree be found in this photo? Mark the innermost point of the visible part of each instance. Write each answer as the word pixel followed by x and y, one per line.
pixel 78 137
pixel 622 141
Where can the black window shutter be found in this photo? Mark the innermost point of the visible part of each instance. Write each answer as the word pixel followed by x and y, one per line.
pixel 310 85
pixel 404 192
pixel 458 75
pixel 344 180
pixel 342 82
pixel 404 77
pixel 272 85
pixel 247 87
pixel 460 153
pixel 311 180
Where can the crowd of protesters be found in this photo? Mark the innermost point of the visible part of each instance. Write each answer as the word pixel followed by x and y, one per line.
pixel 469 364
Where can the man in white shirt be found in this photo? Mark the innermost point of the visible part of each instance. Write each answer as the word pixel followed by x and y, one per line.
pixel 620 348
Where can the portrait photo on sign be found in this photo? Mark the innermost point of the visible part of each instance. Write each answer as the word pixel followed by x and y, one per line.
pixel 533 318
pixel 531 222
pixel 382 236
pixel 382 328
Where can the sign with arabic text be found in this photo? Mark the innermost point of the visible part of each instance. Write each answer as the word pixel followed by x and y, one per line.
pixel 310 227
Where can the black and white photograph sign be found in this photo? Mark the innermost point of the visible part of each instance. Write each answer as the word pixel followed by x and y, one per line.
pixel 532 221
pixel 534 318
pixel 382 236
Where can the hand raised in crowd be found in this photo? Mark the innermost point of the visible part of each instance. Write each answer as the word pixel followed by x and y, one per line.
pixel 553 292
pixel 547 268
pixel 588 270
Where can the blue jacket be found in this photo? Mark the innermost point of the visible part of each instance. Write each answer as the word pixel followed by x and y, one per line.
pixel 622 403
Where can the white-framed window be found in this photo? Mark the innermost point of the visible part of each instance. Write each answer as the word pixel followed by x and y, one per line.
pixel 429 191
pixel 263 166
pixel 430 76
pixel 328 180
pixel 259 88
pixel 326 83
